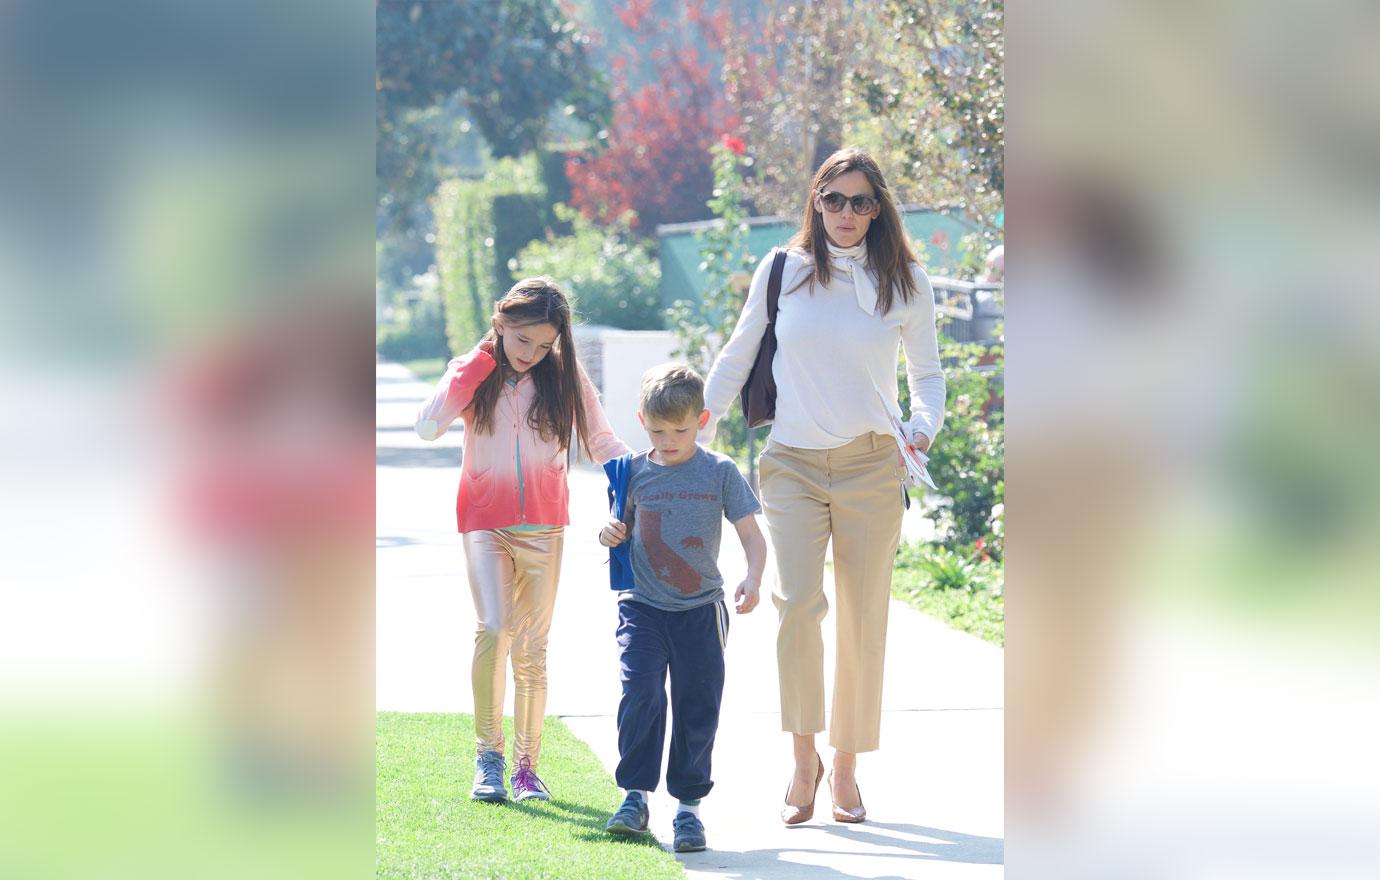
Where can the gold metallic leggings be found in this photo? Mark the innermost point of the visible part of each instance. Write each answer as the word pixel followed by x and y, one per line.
pixel 513 578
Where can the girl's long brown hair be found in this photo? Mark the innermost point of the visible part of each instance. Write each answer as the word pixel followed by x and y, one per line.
pixel 559 403
pixel 888 249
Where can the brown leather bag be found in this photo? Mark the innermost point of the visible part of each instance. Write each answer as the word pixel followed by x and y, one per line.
pixel 759 392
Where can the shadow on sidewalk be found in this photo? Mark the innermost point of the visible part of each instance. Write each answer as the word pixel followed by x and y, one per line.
pixel 931 843
pixel 916 841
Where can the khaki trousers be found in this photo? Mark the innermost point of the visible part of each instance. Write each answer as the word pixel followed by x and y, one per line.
pixel 513 577
pixel 852 493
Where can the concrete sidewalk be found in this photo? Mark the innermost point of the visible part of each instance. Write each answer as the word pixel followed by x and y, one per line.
pixel 933 792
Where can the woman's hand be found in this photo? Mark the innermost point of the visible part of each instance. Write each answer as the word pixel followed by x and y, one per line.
pixel 705 435
pixel 613 534
pixel 920 442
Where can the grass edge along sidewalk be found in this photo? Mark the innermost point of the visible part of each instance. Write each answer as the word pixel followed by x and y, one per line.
pixel 969 597
pixel 427 826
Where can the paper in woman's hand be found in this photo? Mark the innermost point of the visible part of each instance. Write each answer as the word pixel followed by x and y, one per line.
pixel 917 462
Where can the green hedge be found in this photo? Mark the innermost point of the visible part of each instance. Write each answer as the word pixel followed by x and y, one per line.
pixel 519 218
pixel 557 187
pixel 416 331
pixel 480 227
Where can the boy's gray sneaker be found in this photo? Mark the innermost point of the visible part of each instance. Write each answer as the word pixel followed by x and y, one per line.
pixel 631 817
pixel 689 832
pixel 488 778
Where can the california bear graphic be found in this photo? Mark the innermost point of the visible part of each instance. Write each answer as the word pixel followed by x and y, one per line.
pixel 666 562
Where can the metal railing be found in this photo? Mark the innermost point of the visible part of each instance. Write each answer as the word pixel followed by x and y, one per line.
pixel 971 309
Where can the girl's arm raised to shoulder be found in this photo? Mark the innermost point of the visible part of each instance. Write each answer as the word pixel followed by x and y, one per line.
pixel 920 341
pixel 454 391
pixel 603 443
pixel 731 367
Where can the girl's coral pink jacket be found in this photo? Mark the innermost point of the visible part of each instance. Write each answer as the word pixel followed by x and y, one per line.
pixel 488 497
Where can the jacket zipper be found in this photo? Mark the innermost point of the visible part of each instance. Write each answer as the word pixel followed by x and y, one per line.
pixel 517 458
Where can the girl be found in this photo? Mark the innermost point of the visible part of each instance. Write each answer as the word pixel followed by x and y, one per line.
pixel 524 398
pixel 852 293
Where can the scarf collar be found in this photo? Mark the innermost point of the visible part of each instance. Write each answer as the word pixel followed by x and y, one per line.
pixel 853 260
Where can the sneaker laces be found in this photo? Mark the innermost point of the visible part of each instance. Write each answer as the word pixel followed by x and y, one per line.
pixel 526 777
pixel 491 764
pixel 632 808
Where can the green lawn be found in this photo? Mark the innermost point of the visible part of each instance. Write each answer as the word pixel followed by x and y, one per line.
pixel 428 369
pixel 980 611
pixel 428 827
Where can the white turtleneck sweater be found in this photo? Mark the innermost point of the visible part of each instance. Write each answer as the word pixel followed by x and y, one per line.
pixel 832 349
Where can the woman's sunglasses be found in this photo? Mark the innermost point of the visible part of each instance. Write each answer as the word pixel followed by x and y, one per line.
pixel 833 202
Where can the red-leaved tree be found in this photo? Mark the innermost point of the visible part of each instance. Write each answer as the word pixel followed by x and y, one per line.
pixel 657 161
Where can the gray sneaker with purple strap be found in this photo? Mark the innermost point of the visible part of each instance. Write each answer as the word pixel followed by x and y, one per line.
pixel 527 785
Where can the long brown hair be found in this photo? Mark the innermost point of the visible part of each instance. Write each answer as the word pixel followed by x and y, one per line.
pixel 888 249
pixel 558 403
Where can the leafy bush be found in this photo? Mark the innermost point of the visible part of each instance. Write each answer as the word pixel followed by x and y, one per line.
pixel 416 330
pixel 948 570
pixel 963 590
pixel 414 334
pixel 703 327
pixel 611 276
pixel 996 545
pixel 967 460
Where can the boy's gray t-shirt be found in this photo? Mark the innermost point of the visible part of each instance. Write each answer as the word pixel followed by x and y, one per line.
pixel 676 525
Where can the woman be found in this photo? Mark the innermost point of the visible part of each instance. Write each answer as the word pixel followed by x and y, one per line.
pixel 851 293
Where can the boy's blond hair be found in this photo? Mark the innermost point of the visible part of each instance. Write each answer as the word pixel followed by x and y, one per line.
pixel 671 392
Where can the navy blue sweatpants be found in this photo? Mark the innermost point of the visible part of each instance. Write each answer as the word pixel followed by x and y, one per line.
pixel 690 645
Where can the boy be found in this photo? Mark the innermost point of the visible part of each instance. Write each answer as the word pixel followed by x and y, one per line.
pixel 671 612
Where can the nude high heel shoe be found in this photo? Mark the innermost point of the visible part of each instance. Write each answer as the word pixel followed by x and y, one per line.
pixel 850 816
pixel 793 815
